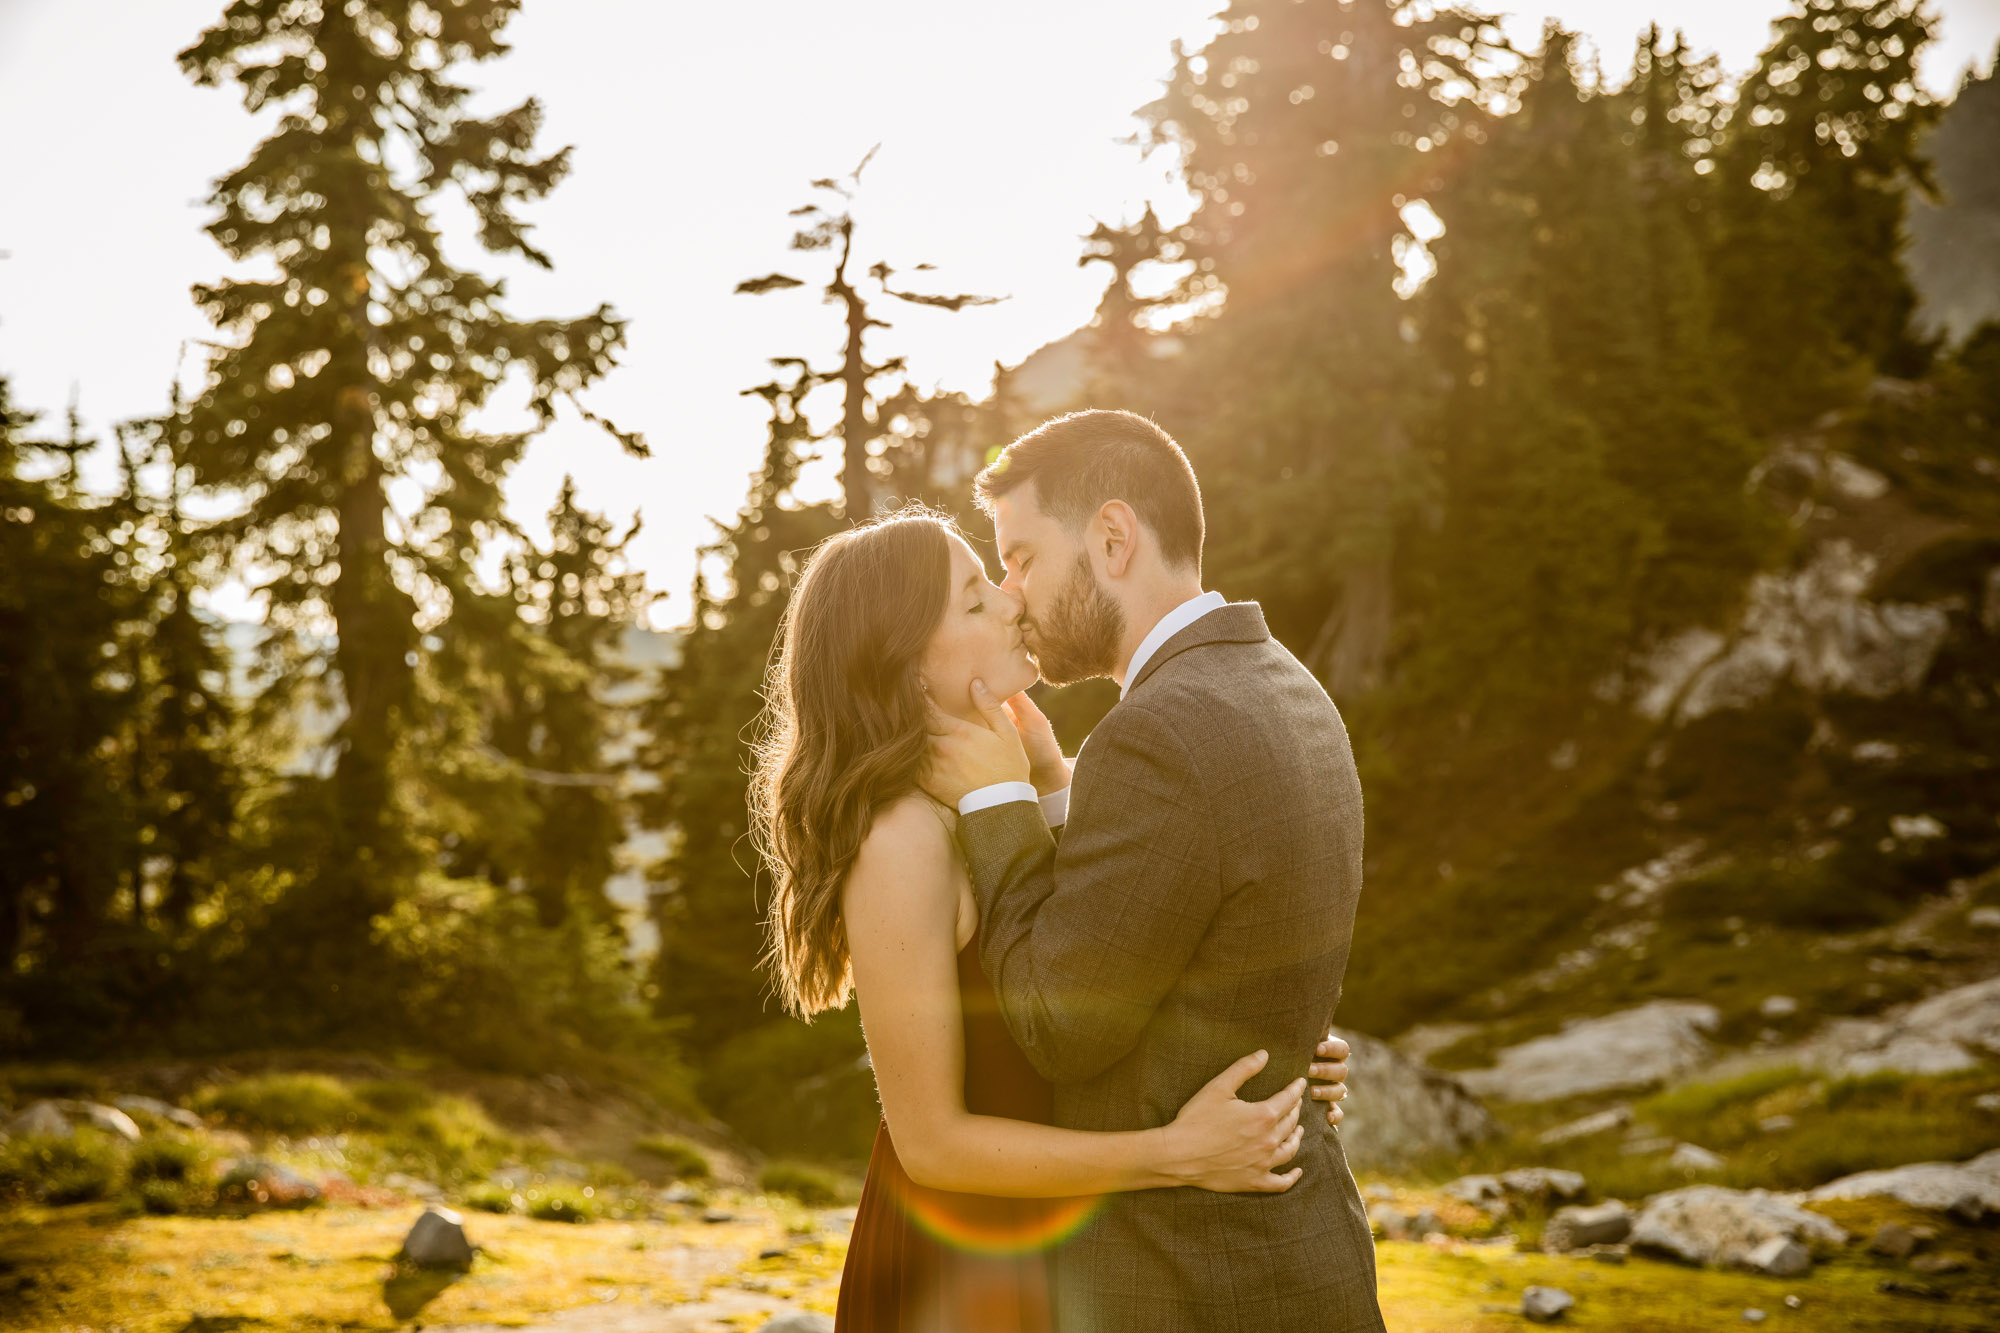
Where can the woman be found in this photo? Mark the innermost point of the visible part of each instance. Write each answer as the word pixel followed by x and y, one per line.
pixel 969 1182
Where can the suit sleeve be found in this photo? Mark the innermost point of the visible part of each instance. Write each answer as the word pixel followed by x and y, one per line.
pixel 1084 937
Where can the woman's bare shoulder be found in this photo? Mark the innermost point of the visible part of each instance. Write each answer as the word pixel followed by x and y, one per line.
pixel 911 833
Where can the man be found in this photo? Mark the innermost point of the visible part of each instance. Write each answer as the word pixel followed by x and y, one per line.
pixel 1201 900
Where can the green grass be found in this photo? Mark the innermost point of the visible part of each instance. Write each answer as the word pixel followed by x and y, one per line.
pixel 683 1160
pixel 493 1198
pixel 562 1203
pixel 288 1104
pixel 813 1186
pixel 77 1169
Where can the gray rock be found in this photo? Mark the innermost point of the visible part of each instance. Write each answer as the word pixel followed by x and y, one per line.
pixel 1541 1182
pixel 1780 1256
pixel 1966 1189
pixel 43 1120
pixel 1476 1190
pixel 1411 1110
pixel 1626 1051
pixel 1983 918
pixel 1933 1264
pixel 256 1181
pixel 108 1119
pixel 1692 1158
pixel 416 1187
pixel 437 1240
pixel 1754 1316
pixel 1707 1224
pixel 1778 1006
pixel 1545 1305
pixel 1580 1226
pixel 799 1321
pixel 1389 1220
pixel 166 1111
pixel 1893 1240
pixel 1603 1122
pixel 1814 627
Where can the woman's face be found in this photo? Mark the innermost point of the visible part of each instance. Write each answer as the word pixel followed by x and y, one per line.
pixel 979 638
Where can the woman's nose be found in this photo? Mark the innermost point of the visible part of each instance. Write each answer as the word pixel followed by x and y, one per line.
pixel 1016 606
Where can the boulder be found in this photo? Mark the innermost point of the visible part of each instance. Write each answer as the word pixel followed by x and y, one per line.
pixel 1580 1226
pixel 1603 1122
pixel 256 1181
pixel 1410 1110
pixel 1946 1033
pixel 43 1120
pixel 1625 1051
pixel 1542 1183
pixel 1545 1305
pixel 1814 627
pixel 437 1240
pixel 1388 1219
pixel 1707 1224
pixel 1780 1256
pixel 1969 1190
pixel 1893 1240
pixel 1693 1158
pixel 799 1321
pixel 153 1106
pixel 1476 1190
pixel 108 1119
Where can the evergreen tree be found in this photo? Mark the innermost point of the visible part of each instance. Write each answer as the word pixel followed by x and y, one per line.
pixel 357 364
pixel 1815 162
pixel 1306 130
pixel 828 224
pixel 64 705
pixel 184 772
pixel 700 724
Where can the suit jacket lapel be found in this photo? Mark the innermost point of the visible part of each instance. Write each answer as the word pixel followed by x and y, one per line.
pixel 1238 622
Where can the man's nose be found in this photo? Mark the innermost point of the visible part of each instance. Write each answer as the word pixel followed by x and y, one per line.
pixel 1018 605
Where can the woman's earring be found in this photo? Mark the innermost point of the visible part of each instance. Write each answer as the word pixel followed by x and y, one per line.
pixel 924 685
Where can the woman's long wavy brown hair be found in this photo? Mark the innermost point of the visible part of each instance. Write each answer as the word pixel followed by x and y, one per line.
pixel 844 732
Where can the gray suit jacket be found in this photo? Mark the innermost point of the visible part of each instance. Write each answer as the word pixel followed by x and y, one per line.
pixel 1200 906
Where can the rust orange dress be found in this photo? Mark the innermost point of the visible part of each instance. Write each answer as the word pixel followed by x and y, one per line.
pixel 932 1261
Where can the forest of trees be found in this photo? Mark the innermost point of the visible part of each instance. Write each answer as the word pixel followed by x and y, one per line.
pixel 1473 349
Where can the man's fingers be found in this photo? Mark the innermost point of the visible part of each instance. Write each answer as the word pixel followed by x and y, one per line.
pixel 1024 710
pixel 1328 1092
pixel 1334 1115
pixel 1334 1072
pixel 1333 1048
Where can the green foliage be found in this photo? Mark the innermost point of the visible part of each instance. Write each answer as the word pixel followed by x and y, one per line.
pixel 683 1160
pixel 290 1104
pixel 562 1203
pixel 796 1088
pixel 174 1159
pixel 813 1186
pixel 355 360
pixel 492 1198
pixel 72 1169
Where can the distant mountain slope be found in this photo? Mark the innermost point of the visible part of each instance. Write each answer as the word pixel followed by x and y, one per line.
pixel 1954 254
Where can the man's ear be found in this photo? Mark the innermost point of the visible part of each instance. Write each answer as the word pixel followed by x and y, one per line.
pixel 1116 536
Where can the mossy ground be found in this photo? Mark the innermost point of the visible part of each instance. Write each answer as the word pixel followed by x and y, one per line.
pixel 94 1267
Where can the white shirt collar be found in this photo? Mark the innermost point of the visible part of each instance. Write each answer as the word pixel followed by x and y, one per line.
pixel 1172 623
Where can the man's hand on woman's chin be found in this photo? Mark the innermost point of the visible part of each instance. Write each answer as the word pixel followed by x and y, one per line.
pixel 966 756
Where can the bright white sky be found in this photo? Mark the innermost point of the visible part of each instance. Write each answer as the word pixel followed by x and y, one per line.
pixel 696 127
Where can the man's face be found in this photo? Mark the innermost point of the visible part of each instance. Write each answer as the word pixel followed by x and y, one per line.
pixel 1070 621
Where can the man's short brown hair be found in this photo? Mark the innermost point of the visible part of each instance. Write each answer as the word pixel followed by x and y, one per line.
pixel 1081 461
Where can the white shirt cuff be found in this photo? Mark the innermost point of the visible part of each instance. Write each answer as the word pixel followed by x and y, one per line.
pixel 1000 793
pixel 1055 808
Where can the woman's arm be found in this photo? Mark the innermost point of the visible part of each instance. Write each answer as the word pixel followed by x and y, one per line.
pixel 901 907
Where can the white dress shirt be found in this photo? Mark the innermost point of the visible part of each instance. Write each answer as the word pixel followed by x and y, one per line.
pixel 1055 806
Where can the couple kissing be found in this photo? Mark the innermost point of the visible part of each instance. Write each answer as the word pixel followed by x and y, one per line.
pixel 1093 990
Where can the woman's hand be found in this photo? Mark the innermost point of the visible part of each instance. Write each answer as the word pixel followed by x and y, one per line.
pixel 1220 1142
pixel 1047 768
pixel 1329 1076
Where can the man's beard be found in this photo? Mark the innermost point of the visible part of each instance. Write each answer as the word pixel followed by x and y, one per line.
pixel 1078 638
